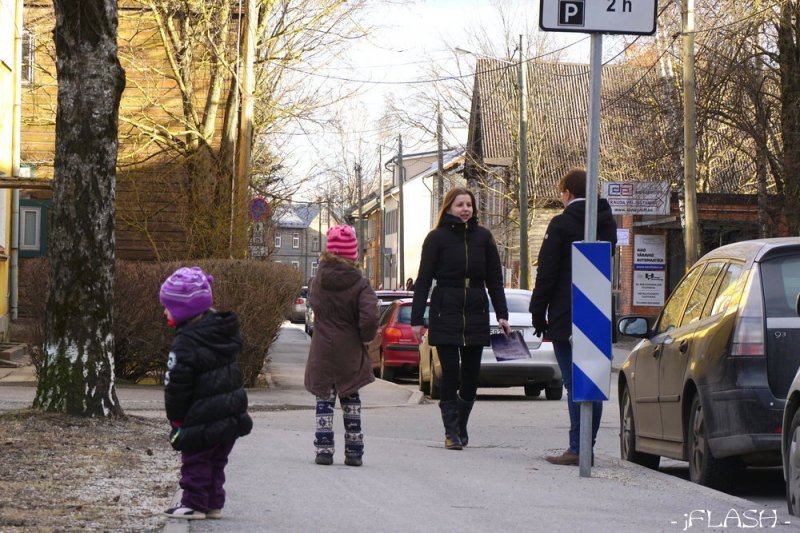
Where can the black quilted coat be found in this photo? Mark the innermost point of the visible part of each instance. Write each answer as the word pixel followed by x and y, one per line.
pixel 463 259
pixel 203 384
pixel 552 293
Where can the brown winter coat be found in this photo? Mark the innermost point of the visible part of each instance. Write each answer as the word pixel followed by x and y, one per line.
pixel 345 318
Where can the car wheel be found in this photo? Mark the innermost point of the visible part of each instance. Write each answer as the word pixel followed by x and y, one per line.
pixel 704 468
pixel 532 391
pixel 424 385
pixel 433 385
pixel 387 372
pixel 627 436
pixel 554 393
pixel 792 462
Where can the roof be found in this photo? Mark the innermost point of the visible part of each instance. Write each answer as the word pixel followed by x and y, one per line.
pixel 297 216
pixel 640 137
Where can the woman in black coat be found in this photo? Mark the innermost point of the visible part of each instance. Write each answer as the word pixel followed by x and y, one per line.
pixel 462 257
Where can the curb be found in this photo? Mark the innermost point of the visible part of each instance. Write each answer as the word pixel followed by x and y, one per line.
pixel 175 525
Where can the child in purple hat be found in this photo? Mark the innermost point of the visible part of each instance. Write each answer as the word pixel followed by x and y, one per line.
pixel 203 395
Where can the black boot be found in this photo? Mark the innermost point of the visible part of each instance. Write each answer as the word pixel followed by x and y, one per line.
pixel 450 419
pixel 464 409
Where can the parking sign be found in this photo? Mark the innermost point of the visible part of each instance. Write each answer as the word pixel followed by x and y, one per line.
pixel 634 17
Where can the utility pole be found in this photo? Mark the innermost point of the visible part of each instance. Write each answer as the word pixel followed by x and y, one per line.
pixel 360 217
pixel 238 236
pixel 523 171
pixel 691 233
pixel 400 229
pixel 382 215
pixel 440 173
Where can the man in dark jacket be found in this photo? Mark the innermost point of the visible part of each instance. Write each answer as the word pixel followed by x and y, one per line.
pixel 551 302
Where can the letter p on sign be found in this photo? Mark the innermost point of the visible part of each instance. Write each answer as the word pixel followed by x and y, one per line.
pixel 571 12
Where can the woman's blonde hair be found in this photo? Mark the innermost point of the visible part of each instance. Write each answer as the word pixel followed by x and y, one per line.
pixel 450 197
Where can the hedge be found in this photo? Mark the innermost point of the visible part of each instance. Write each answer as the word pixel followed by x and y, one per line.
pixel 258 291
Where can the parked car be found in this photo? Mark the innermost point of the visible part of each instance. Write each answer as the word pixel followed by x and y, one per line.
pixel 309 318
pixel 297 311
pixel 385 298
pixel 394 348
pixel 791 433
pixel 539 372
pixel 709 381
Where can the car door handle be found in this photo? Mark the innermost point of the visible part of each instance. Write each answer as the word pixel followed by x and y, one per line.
pixel 657 350
pixel 684 347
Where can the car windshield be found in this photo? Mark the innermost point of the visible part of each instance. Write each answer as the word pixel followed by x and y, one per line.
pixel 781 280
pixel 517 302
pixel 404 314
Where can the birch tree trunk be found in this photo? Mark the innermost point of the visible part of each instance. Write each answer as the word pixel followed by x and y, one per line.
pixel 77 376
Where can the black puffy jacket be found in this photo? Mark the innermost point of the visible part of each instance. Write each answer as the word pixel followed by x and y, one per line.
pixel 203 384
pixel 463 259
pixel 552 293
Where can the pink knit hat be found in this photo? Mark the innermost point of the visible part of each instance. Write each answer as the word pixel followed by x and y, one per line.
pixel 342 242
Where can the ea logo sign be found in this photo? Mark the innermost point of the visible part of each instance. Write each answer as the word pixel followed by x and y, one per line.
pixel 571 12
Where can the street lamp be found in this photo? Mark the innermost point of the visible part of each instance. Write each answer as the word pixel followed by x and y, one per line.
pixel 522 90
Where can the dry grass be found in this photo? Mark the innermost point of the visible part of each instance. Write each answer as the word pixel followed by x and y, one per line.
pixel 61 473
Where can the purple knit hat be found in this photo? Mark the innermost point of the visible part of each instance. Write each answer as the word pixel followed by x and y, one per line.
pixel 342 242
pixel 186 293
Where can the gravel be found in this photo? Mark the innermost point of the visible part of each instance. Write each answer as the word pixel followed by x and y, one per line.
pixel 65 473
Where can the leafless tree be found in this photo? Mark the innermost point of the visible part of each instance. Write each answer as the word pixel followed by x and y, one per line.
pixel 77 376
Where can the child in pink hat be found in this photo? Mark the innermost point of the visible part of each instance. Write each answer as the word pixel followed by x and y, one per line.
pixel 345 320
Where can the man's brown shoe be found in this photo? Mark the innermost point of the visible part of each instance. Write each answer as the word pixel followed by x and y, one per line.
pixel 566 458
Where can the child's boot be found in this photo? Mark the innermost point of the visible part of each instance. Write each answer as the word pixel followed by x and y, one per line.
pixel 353 437
pixel 323 437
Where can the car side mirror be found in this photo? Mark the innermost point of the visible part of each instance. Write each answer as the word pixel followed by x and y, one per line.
pixel 633 326
pixel 797 304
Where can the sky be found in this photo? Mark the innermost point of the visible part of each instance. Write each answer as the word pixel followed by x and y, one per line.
pixel 407 38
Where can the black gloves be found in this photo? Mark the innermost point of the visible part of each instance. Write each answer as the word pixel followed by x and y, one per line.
pixel 539 325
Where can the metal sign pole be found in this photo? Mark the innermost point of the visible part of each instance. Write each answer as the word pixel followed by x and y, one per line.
pixel 590 225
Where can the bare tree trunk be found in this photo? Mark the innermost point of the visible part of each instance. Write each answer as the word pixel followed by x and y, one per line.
pixel 77 376
pixel 789 59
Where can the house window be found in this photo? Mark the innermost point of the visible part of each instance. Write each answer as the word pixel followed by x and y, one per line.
pixel 314 265
pixel 295 240
pixel 296 265
pixel 277 240
pixel 28 50
pixel 391 221
pixel 315 244
pixel 325 217
pixel 30 228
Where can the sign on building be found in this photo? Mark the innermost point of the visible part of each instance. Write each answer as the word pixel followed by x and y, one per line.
pixel 649 270
pixel 636 197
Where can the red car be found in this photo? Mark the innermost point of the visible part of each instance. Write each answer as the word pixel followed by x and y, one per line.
pixel 394 349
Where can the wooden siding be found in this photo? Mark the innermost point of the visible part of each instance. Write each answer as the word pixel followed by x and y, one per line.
pixel 151 207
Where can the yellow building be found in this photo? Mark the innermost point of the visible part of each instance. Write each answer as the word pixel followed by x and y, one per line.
pixel 10 71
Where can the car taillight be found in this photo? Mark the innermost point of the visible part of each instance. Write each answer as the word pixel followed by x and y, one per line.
pixel 392 333
pixel 748 336
pixel 300 301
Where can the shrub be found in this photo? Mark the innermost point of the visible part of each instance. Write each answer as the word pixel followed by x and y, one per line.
pixel 258 291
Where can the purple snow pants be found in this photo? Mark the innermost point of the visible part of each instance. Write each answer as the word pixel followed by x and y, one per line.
pixel 203 477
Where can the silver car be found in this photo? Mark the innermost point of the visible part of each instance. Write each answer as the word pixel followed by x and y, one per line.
pixel 297 310
pixel 537 373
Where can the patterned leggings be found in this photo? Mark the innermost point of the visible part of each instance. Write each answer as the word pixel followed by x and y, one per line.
pixel 351 410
